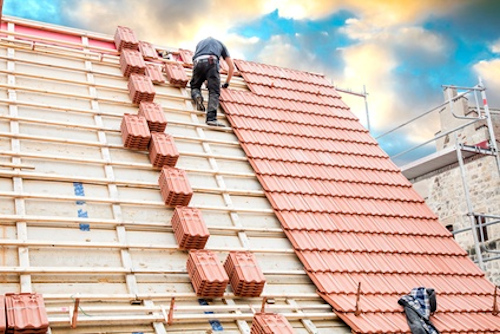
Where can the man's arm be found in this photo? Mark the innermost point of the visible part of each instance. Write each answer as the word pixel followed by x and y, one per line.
pixel 230 64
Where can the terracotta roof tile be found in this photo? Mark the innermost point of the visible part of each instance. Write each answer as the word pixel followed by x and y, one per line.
pixel 125 38
pixel 350 214
pixel 131 61
pixel 26 313
pixel 247 279
pixel 250 99
pixel 176 75
pixel 162 150
pixel 174 186
pixel 148 51
pixel 186 56
pixel 140 88
pixel 189 228
pixel 154 72
pixel 154 115
pixel 270 323
pixel 290 85
pixel 279 72
pixel 135 132
pixel 207 274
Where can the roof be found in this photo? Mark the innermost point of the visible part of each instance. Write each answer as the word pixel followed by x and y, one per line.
pixel 83 216
pixel 348 212
pixel 354 220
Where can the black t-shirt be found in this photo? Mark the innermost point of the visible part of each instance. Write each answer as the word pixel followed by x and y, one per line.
pixel 211 46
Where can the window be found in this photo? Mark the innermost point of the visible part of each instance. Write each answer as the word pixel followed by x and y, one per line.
pixel 450 228
pixel 482 231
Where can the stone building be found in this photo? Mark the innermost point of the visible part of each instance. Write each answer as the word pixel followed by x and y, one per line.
pixel 439 180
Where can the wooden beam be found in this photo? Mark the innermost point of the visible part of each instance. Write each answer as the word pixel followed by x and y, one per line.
pixel 131 165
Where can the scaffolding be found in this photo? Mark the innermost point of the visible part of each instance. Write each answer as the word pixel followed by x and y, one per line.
pixel 459 153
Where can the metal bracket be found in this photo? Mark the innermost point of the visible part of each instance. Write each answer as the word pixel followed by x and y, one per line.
pixel 74 318
pixel 358 295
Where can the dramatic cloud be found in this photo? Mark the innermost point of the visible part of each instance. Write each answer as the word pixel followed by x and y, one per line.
pixel 381 12
pixel 403 51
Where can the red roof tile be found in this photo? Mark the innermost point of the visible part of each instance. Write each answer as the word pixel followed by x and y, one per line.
pixel 26 313
pixel 154 115
pixel 148 51
pixel 186 56
pixel 207 275
pixel 140 88
pixel 135 132
pixel 247 279
pixel 176 75
pixel 350 214
pixel 174 186
pixel 154 72
pixel 131 61
pixel 125 38
pixel 162 150
pixel 270 323
pixel 189 228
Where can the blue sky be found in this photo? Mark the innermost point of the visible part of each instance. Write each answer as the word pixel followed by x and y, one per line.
pixel 403 51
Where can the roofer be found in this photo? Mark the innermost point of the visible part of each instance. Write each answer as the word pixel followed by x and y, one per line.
pixel 206 67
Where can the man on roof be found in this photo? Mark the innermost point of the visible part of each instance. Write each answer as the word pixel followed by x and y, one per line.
pixel 206 67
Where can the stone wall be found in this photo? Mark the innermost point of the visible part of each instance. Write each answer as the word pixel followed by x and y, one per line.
pixel 444 192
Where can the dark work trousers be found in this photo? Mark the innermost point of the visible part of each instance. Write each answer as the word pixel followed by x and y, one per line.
pixel 207 69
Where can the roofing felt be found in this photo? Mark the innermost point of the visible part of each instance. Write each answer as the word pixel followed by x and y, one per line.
pixel 354 220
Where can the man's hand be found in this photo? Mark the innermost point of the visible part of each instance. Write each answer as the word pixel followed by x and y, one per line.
pixel 225 85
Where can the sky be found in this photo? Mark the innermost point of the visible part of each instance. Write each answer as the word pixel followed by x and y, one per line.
pixel 401 50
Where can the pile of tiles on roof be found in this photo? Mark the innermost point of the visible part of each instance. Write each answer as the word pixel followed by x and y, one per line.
pixel 145 131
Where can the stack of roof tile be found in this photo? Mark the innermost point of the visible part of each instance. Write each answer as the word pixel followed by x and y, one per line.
pixel 154 72
pixel 350 214
pixel 26 313
pixel 206 273
pixel 135 132
pixel 176 75
pixel 154 115
pixel 131 61
pixel 162 150
pixel 125 38
pixel 189 228
pixel 270 323
pixel 174 186
pixel 148 51
pixel 140 88
pixel 245 275
pixel 186 56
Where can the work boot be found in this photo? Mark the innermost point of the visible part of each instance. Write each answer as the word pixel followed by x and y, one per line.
pixel 215 123
pixel 199 103
pixel 212 119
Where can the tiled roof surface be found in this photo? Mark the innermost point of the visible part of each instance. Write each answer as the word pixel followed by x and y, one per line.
pixel 350 214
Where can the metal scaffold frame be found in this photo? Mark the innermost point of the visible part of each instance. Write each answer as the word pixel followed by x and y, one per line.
pixel 477 220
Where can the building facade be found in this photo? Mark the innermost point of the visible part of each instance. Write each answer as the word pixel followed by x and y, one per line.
pixel 444 191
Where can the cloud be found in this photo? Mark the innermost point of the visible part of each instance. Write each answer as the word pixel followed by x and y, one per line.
pixel 380 12
pixel 388 61
pixel 40 10
pixel 489 71
pixel 163 22
pixel 282 52
pixel 495 46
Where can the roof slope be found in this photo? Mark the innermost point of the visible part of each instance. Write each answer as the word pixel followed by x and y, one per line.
pixel 350 214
